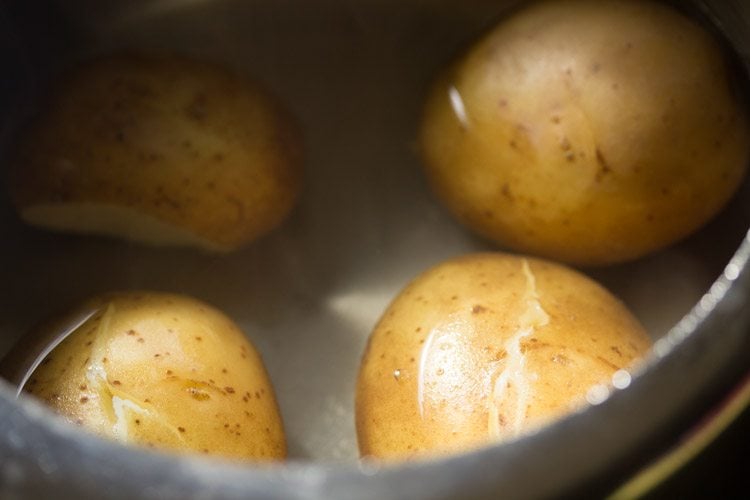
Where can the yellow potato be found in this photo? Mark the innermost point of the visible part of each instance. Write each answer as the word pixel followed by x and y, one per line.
pixel 164 371
pixel 159 149
pixel 484 348
pixel 587 131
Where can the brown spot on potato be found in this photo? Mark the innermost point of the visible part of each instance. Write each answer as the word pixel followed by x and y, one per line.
pixel 611 365
pixel 505 190
pixel 478 309
pixel 197 108
pixel 604 167
pixel 561 359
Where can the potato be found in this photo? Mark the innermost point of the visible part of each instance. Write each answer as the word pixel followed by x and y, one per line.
pixel 587 131
pixel 163 371
pixel 158 149
pixel 485 348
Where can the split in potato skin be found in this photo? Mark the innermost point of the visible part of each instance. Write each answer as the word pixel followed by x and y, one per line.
pixel 164 371
pixel 485 348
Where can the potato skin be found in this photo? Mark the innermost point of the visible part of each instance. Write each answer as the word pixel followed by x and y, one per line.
pixel 484 348
pixel 185 142
pixel 164 371
pixel 587 131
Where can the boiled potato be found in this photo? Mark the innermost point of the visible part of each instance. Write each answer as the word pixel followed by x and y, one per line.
pixel 158 149
pixel 163 371
pixel 485 348
pixel 587 131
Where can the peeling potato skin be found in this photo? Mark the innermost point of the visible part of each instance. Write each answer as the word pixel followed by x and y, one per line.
pixel 428 375
pixel 185 377
pixel 589 132
pixel 185 141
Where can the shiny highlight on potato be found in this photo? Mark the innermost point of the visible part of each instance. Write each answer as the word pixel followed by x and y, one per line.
pixel 485 348
pixel 163 371
pixel 586 131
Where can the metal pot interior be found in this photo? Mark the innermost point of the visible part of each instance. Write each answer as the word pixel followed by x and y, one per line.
pixel 354 74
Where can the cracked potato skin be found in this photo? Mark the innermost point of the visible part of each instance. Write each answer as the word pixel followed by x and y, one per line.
pixel 164 371
pixel 484 348
pixel 159 139
pixel 590 132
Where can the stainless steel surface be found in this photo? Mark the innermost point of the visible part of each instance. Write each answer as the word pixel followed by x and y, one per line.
pixel 354 73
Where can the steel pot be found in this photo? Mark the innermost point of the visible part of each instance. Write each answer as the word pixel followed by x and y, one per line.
pixel 354 73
